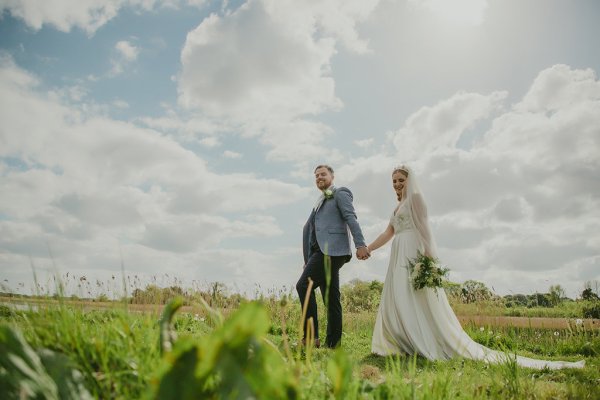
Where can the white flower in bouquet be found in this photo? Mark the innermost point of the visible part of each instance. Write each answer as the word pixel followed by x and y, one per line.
pixel 417 269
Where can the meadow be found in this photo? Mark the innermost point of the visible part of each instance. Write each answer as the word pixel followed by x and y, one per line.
pixel 249 349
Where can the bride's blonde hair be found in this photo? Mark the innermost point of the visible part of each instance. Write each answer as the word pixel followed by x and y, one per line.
pixel 401 168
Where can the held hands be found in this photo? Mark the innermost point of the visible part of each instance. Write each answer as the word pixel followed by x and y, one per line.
pixel 362 253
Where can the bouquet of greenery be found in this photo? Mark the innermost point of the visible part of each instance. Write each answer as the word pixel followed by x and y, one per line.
pixel 426 272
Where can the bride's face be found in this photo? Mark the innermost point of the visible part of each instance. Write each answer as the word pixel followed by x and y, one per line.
pixel 399 183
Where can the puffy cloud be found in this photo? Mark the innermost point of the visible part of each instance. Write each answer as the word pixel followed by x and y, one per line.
pixel 522 198
pixel 440 127
pixel 511 209
pixel 77 185
pixel 210 142
pixel 186 234
pixel 88 15
pixel 560 87
pixel 364 143
pixel 252 63
pixel 231 154
pixel 103 209
pixel 127 50
pixel 263 68
pixel 126 54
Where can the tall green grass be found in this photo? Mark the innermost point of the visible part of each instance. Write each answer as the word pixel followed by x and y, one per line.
pixel 253 351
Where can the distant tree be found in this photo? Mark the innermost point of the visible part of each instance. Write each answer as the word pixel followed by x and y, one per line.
pixel 453 291
pixel 556 294
pixel 218 293
pixel 235 300
pixel 539 300
pixel 102 298
pixel 472 291
pixel 516 300
pixel 151 295
pixel 589 293
pixel 171 292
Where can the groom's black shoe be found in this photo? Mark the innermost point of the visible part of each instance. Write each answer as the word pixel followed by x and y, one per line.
pixel 333 345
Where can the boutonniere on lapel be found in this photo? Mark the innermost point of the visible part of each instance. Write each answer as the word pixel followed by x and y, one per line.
pixel 328 193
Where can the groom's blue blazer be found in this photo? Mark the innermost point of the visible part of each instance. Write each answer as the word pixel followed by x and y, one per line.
pixel 334 220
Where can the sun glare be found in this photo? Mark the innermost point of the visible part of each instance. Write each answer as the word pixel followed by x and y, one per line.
pixel 462 12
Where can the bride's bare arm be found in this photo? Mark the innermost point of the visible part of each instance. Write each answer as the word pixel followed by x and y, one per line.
pixel 382 239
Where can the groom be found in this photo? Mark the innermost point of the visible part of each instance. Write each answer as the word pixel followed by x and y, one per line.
pixel 326 241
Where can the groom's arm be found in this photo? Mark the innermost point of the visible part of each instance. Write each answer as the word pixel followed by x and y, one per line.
pixel 343 199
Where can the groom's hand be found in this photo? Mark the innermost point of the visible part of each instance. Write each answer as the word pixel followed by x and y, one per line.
pixel 362 253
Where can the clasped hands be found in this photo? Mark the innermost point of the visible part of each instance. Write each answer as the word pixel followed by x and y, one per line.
pixel 362 253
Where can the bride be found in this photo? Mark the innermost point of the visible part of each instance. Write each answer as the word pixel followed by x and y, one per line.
pixel 421 321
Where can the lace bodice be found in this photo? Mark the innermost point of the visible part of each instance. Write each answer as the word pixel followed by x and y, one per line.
pixel 401 219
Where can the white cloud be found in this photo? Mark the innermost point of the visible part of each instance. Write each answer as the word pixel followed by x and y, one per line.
pixel 364 143
pixel 82 185
pixel 560 87
pixel 88 15
pixel 522 200
pixel 127 50
pixel 210 142
pixel 187 128
pixel 121 104
pixel 440 127
pixel 188 234
pixel 249 63
pixel 264 68
pixel 231 154
pixel 126 54
pixel 196 3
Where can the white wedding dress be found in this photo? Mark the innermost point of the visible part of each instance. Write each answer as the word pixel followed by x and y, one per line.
pixel 421 321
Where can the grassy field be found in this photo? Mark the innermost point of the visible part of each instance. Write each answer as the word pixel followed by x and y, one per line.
pixel 69 352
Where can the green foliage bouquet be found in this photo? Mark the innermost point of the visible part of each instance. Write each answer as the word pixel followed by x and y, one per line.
pixel 426 272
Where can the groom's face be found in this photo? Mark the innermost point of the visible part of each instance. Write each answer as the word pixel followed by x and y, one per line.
pixel 323 178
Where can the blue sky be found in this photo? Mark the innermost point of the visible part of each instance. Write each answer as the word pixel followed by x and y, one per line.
pixel 178 138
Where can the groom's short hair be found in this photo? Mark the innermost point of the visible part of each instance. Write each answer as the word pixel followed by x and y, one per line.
pixel 324 166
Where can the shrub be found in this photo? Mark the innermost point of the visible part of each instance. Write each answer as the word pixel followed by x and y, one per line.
pixel 359 295
pixel 592 310
pixel 473 291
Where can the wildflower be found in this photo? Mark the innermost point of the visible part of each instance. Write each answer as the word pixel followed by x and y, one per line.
pixel 481 329
pixel 578 321
pixel 556 333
